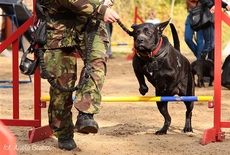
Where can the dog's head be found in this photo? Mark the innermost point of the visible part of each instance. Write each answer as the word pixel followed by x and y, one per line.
pixel 147 36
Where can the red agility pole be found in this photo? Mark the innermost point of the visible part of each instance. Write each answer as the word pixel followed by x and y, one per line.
pixel 215 134
pixel 136 16
pixel 38 133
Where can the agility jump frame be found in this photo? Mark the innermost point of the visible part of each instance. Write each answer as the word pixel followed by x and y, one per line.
pixel 38 133
pixel 215 134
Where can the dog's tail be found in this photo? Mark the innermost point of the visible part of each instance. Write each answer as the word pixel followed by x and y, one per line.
pixel 175 37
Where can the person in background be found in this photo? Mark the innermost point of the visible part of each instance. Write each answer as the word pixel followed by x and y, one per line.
pixel 70 27
pixel 109 27
pixel 196 45
pixel 152 17
pixel 208 32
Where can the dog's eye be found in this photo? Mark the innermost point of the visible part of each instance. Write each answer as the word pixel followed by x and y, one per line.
pixel 137 33
pixel 149 32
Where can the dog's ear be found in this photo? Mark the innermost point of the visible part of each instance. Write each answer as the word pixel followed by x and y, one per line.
pixel 161 26
pixel 133 26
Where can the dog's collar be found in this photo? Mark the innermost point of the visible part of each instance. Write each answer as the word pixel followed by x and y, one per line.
pixel 149 55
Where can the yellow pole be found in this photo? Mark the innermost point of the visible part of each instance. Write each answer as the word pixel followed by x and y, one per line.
pixel 131 99
pixel 145 98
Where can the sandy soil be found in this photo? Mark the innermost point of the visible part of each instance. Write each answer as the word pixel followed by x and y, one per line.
pixel 125 128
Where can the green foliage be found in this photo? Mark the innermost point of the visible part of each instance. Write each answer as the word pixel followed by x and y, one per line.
pixel 126 10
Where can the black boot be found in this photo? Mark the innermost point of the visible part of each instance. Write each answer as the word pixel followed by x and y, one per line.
pixel 86 124
pixel 67 143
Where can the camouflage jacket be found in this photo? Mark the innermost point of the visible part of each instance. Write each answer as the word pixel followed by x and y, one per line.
pixel 70 20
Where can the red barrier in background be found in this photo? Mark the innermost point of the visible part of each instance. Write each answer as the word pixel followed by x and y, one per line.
pixel 38 133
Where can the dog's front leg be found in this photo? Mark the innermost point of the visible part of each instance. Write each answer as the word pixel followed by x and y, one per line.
pixel 143 88
pixel 163 108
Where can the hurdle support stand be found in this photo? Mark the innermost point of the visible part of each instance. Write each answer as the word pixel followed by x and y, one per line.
pixel 215 134
pixel 38 133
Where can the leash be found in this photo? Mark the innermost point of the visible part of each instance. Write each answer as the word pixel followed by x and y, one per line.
pixel 88 67
pixel 124 28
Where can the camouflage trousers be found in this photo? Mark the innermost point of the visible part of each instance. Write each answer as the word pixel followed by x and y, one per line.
pixel 61 64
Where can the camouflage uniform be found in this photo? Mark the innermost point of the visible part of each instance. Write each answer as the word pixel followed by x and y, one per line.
pixel 66 36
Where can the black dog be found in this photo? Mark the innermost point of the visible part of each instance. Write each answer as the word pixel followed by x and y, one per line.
pixel 164 67
pixel 203 68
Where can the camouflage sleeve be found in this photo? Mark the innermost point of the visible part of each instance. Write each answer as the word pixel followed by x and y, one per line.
pixel 90 8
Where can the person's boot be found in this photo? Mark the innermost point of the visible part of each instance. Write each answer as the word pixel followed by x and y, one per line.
pixel 86 124
pixel 67 143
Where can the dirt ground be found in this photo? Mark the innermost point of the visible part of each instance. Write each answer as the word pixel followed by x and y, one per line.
pixel 125 128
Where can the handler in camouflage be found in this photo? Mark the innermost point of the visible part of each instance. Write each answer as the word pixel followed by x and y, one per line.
pixel 66 35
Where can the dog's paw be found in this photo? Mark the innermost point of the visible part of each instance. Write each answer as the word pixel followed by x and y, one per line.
pixel 187 129
pixel 161 132
pixel 175 91
pixel 143 90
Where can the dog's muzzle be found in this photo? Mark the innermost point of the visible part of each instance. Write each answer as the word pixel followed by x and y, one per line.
pixel 153 53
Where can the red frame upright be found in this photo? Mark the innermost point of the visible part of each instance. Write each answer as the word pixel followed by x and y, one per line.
pixel 215 134
pixel 136 17
pixel 35 134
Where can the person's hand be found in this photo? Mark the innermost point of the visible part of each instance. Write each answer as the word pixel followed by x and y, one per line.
pixel 212 10
pixel 228 8
pixel 111 16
